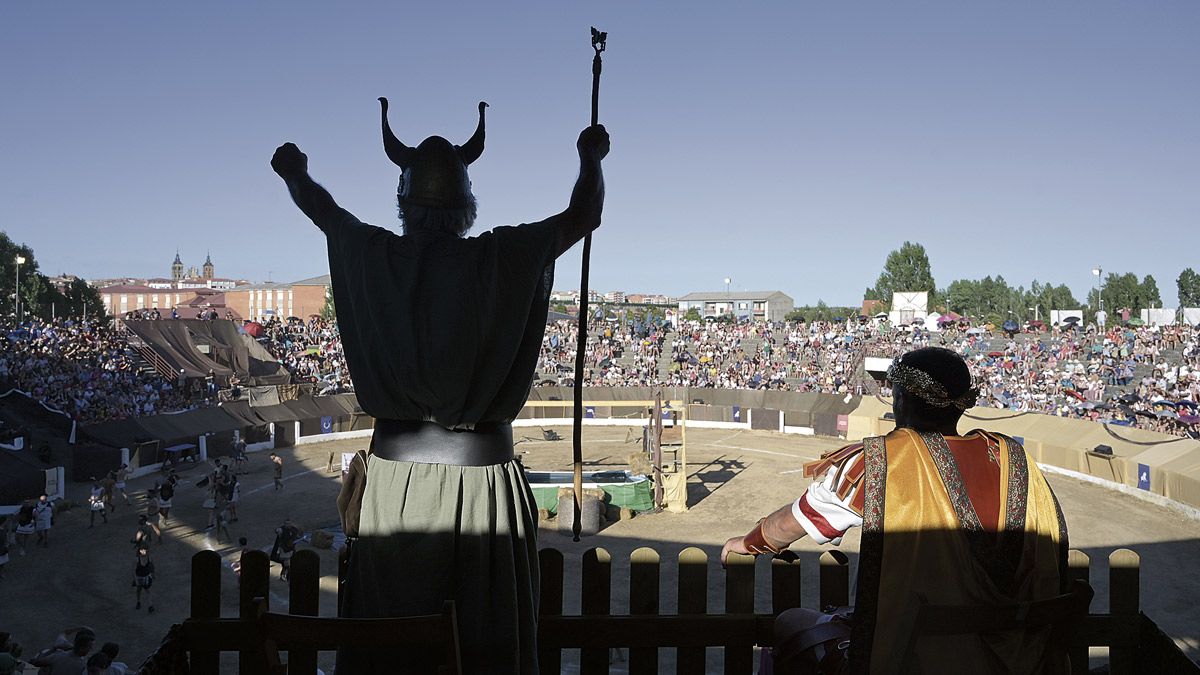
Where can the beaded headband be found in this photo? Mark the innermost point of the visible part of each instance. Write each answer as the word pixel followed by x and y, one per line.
pixel 919 383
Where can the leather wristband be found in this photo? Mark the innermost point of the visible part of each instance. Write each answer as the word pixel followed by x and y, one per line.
pixel 756 542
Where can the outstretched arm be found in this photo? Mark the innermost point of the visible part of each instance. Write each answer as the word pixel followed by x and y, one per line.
pixel 314 200
pixel 582 214
pixel 777 531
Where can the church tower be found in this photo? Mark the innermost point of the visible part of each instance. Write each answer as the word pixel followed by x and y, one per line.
pixel 177 268
pixel 208 266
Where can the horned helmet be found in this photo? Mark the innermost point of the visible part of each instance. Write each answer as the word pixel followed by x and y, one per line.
pixel 433 174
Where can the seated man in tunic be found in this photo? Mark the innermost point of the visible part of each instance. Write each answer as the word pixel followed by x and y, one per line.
pixel 441 334
pixel 961 520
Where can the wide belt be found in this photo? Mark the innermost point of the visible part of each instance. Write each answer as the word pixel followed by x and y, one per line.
pixel 430 443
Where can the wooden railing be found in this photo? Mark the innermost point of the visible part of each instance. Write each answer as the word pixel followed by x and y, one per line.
pixel 147 352
pixel 1135 644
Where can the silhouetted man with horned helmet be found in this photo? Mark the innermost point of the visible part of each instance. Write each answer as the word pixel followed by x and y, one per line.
pixel 441 334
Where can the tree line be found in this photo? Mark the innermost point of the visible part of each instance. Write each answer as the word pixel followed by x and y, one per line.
pixel 38 296
pixel 907 269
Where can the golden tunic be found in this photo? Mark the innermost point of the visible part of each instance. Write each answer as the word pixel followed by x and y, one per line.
pixel 921 536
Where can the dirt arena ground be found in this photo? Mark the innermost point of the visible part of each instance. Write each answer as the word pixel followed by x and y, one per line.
pixel 84 578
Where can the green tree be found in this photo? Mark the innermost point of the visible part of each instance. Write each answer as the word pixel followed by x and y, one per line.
pixel 692 314
pixel 1188 286
pixel 83 299
pixel 906 270
pixel 1149 295
pixel 33 284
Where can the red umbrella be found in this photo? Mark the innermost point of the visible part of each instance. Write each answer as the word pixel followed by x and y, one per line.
pixel 253 328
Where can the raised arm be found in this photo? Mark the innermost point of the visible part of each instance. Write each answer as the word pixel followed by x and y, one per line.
pixel 314 200
pixel 582 214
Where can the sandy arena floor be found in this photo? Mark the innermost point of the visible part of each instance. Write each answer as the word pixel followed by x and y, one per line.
pixel 736 477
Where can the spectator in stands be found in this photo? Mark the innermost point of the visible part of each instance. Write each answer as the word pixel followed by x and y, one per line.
pixel 925 479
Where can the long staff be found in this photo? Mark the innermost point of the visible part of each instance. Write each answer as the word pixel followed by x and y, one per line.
pixel 598 40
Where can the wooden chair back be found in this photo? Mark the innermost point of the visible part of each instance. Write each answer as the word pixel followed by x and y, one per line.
pixel 1059 613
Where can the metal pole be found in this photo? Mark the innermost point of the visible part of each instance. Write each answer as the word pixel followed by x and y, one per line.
pixel 17 292
pixel 598 40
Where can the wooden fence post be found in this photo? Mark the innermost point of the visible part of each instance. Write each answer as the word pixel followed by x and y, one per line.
pixel 1124 596
pixel 1078 567
pixel 550 564
pixel 692 592
pixel 785 584
pixel 595 594
pixel 206 604
pixel 835 579
pixel 303 598
pixel 255 583
pixel 739 599
pixel 643 599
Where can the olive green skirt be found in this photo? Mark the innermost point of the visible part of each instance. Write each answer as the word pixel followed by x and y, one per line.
pixel 435 532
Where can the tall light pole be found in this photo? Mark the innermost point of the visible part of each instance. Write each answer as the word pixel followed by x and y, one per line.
pixel 1097 270
pixel 17 294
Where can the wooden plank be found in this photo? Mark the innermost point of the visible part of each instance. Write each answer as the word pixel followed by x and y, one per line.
pixel 595 596
pixel 255 583
pixel 206 604
pixel 1078 567
pixel 644 574
pixel 550 563
pixel 835 579
pixel 1124 595
pixel 785 583
pixel 692 593
pixel 304 595
pixel 739 599
pixel 685 631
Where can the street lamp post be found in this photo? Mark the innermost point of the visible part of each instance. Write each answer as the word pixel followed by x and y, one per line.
pixel 17 294
pixel 1097 270
pixel 1036 312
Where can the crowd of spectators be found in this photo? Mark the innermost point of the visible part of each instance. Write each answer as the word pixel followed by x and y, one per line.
pixel 310 350
pixel 86 370
pixel 1144 376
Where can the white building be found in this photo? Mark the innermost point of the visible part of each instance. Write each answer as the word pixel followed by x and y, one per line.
pixel 761 305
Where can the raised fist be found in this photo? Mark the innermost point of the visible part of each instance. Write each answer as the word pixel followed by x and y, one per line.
pixel 593 143
pixel 289 161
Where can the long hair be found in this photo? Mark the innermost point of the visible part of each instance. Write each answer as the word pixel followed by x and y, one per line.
pixel 452 221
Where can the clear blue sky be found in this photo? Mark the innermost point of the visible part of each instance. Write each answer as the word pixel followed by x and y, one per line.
pixel 788 145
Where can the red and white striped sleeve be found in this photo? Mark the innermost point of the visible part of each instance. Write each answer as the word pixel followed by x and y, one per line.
pixel 830 506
